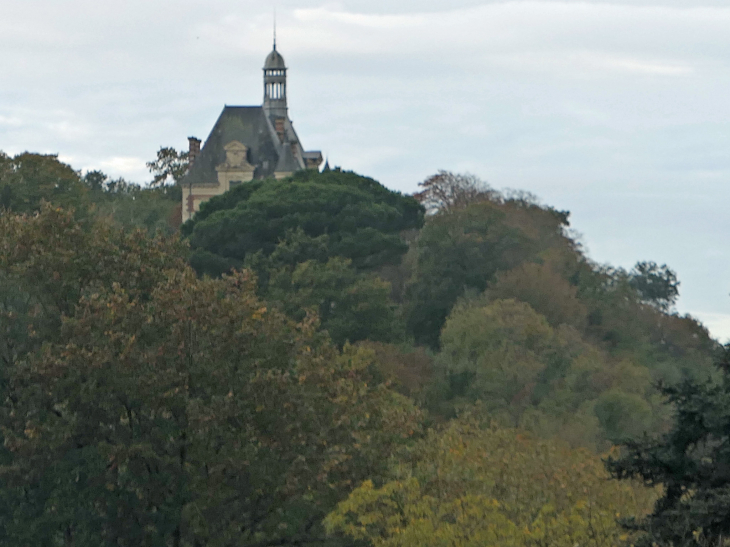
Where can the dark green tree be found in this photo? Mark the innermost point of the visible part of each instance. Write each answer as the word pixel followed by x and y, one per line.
pixel 96 180
pixel 356 217
pixel 691 464
pixel 351 305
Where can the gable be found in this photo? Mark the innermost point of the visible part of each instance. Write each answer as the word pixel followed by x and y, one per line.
pixel 247 126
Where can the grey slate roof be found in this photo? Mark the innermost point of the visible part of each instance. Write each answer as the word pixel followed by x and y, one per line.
pixel 274 60
pixel 287 162
pixel 246 124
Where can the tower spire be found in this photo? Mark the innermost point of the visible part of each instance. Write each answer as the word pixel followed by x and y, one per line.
pixel 275 82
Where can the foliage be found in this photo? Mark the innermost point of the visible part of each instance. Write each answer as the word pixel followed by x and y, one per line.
pixel 409 369
pixel 446 191
pixel 356 217
pixel 299 279
pixel 314 241
pixel 169 167
pixel 50 259
pixel 143 405
pixel 690 463
pixel 174 410
pixel 462 250
pixel 61 258
pixel 352 306
pixel 624 323
pixel 132 206
pixel 28 179
pixel 656 284
pixel 547 380
pixel 483 486
pixel 623 415
pixel 495 352
pixel 545 290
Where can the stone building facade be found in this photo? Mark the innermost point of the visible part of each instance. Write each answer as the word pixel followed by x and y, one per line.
pixel 246 143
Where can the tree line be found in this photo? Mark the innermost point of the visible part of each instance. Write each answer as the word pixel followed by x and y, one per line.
pixel 320 360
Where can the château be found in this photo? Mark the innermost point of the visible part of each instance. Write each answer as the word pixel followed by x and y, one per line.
pixel 246 143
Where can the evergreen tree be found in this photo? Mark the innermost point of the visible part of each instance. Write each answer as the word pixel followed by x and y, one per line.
pixel 691 463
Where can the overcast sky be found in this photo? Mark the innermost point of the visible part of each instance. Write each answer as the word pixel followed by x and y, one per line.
pixel 616 111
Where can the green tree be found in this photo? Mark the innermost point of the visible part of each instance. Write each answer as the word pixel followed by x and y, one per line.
pixel 460 251
pixel 544 289
pixel 28 179
pixel 690 464
pixel 623 415
pixel 49 260
pixel 131 206
pixel 173 410
pixel 352 306
pixel 356 217
pixel 495 352
pixel 544 379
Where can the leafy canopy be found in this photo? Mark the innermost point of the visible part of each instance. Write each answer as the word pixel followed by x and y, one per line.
pixel 462 249
pixel 173 410
pixel 28 179
pixel 356 217
pixel 477 485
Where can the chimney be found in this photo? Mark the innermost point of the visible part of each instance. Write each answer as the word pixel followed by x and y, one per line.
pixel 193 150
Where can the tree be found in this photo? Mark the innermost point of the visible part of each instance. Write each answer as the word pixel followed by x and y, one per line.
pixel 447 191
pixel 50 259
pixel 28 179
pixel 657 285
pixel 496 352
pixel 546 291
pixel 461 251
pixel 169 167
pixel 474 484
pixel 355 217
pixel 544 379
pixel 172 410
pixel 351 306
pixel 690 464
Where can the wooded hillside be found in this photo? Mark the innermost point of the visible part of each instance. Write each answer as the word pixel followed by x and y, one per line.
pixel 320 360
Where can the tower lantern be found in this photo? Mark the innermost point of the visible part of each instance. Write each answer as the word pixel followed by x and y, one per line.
pixel 275 85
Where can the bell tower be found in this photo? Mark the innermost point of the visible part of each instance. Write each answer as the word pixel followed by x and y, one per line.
pixel 275 85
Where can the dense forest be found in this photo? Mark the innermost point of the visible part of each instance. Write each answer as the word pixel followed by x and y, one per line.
pixel 322 361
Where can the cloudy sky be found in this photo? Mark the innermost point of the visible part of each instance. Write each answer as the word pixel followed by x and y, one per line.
pixel 616 111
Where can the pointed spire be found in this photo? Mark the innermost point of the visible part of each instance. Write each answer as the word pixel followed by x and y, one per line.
pixel 274 28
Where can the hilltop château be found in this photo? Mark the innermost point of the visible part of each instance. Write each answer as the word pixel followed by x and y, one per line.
pixel 247 142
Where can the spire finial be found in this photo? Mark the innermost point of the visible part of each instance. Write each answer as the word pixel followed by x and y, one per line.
pixel 274 28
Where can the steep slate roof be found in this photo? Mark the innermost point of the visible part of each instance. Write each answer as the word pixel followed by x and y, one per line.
pixel 246 124
pixel 287 161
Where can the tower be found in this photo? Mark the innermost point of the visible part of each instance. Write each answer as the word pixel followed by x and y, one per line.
pixel 275 85
pixel 247 143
